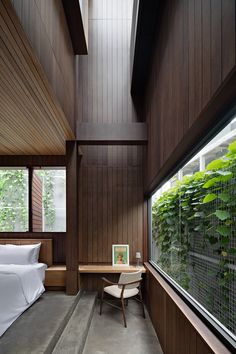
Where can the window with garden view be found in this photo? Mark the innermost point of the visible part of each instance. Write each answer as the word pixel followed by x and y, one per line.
pixel 48 200
pixel 13 200
pixel 194 228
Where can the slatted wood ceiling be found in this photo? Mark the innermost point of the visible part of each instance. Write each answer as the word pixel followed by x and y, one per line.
pixel 111 180
pixel 45 26
pixel 31 119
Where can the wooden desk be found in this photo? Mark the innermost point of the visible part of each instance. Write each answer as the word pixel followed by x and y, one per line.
pixel 90 274
pixel 106 269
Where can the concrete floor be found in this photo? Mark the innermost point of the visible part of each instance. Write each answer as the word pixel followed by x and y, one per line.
pixel 107 335
pixel 37 330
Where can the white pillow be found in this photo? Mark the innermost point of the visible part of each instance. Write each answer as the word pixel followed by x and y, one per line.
pixel 35 247
pixel 15 255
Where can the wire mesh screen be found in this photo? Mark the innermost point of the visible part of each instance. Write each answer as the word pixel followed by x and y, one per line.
pixel 194 236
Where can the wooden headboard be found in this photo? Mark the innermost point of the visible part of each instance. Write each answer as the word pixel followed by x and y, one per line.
pixel 45 255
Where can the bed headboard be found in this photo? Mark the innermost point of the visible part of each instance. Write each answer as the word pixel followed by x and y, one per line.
pixel 45 255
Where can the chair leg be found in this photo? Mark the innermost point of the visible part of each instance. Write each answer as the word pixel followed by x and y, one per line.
pixel 101 301
pixel 141 299
pixel 123 311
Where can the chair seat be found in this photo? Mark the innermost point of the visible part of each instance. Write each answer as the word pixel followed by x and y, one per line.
pixel 115 291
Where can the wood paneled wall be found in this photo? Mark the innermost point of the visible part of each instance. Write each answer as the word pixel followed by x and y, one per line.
pixel 110 202
pixel 194 55
pixel 179 330
pixel 45 26
pixel 110 181
pixel 37 203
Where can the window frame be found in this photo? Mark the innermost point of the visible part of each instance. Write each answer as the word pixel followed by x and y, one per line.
pixel 30 170
pixel 228 338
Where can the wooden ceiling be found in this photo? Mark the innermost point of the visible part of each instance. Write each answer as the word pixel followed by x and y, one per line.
pixel 31 120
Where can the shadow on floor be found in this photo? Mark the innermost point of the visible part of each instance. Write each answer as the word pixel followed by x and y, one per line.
pixel 107 335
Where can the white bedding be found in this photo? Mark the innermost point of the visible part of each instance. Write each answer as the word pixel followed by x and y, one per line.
pixel 20 287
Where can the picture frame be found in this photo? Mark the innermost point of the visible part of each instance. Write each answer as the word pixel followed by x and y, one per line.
pixel 120 255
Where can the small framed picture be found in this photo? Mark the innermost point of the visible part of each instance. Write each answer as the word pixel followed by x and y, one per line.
pixel 120 255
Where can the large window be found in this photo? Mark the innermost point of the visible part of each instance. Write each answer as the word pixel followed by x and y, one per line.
pixel 13 200
pixel 46 213
pixel 49 200
pixel 194 229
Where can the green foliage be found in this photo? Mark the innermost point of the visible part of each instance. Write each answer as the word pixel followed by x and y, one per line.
pixel 13 201
pixel 205 204
pixel 48 198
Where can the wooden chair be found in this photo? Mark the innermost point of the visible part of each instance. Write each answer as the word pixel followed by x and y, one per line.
pixel 128 286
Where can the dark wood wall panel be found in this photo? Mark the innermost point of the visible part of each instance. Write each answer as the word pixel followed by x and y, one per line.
pixel 111 180
pixel 194 55
pixel 111 196
pixel 45 25
pixel 37 203
pixel 179 330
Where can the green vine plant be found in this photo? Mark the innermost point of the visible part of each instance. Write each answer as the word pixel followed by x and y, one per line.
pixel 200 207
pixel 48 199
pixel 13 201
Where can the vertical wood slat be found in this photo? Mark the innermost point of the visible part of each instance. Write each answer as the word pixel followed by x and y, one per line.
pixel 71 218
pixel 179 330
pixel 113 207
pixel 194 54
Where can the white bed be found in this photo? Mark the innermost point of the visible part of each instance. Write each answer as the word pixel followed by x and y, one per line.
pixel 20 287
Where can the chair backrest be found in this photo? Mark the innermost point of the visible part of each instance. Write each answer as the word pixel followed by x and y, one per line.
pixel 129 278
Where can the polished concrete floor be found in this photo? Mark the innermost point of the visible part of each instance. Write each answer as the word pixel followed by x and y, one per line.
pixel 107 335
pixel 37 330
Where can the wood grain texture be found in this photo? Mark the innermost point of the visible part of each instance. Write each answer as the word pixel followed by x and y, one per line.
pixel 111 177
pixel 194 56
pixel 32 160
pixel 179 330
pixel 71 217
pixel 45 26
pixel 92 268
pixel 55 276
pixel 37 204
pixel 31 119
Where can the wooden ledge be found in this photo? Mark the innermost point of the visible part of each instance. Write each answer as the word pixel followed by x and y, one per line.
pixel 94 268
pixel 205 333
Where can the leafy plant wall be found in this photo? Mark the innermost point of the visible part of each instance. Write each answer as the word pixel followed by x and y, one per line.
pixel 194 225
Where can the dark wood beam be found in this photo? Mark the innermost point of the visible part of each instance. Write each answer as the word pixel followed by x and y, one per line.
pixel 32 160
pixel 145 21
pixel 71 217
pixel 112 134
pixel 77 23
